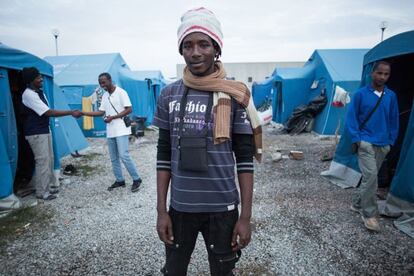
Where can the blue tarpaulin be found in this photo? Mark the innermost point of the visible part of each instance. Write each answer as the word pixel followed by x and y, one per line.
pixel 262 91
pixel 140 92
pixel 67 131
pixel 158 82
pixel 292 86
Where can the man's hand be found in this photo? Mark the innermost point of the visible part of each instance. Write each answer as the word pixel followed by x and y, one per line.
pixel 77 113
pixel 241 234
pixel 164 228
pixel 108 119
pixel 355 147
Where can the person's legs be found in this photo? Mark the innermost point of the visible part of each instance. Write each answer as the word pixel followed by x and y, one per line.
pixel 53 181
pixel 365 195
pixel 122 144
pixel 380 154
pixel 40 147
pixel 217 233
pixel 116 164
pixel 185 230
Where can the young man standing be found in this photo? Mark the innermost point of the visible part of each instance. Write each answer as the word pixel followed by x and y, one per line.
pixel 115 105
pixel 372 121
pixel 203 119
pixel 37 132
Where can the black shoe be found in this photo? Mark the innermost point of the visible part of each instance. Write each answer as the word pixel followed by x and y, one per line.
pixel 54 191
pixel 69 170
pixel 49 197
pixel 116 184
pixel 25 192
pixel 135 185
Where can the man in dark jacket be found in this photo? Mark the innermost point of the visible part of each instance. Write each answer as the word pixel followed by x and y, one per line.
pixel 37 132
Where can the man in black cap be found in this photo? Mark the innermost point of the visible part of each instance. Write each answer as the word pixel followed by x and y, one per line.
pixel 37 131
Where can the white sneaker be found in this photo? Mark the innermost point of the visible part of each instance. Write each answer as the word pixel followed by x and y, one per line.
pixel 371 223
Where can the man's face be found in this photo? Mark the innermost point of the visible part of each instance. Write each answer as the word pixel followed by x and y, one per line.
pixel 105 83
pixel 381 75
pixel 38 82
pixel 198 52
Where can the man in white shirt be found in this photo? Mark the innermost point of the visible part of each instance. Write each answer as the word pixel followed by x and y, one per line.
pixel 37 132
pixel 115 106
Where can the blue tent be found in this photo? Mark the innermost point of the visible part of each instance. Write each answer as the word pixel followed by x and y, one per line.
pixel 77 76
pixel 67 132
pixel 291 85
pixel 262 91
pixel 64 141
pixel 325 69
pixel 157 83
pixel 344 171
pixel 141 94
pixel 155 76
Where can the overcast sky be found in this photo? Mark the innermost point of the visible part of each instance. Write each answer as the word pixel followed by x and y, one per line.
pixel 144 32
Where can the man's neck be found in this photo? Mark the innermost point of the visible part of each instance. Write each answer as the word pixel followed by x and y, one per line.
pixel 112 89
pixel 378 88
pixel 34 88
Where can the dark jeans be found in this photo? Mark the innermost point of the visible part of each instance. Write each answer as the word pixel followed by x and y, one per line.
pixel 217 230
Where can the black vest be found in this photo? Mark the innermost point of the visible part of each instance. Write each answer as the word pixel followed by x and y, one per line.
pixel 33 123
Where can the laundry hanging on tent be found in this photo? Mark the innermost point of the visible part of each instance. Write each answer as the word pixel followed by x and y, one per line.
pixel 265 111
pixel 303 115
pixel 341 97
pixel 87 106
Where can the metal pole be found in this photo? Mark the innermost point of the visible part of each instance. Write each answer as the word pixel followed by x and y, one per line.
pixel 383 25
pixel 55 33
pixel 56 45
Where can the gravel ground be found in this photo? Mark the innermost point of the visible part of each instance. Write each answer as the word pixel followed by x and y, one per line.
pixel 302 224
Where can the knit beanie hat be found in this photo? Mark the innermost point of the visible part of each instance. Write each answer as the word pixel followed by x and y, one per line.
pixel 200 20
pixel 29 74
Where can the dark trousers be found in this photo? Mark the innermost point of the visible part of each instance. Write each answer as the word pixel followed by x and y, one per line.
pixel 217 230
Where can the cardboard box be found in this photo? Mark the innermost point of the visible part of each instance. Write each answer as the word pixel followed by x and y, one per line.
pixel 296 155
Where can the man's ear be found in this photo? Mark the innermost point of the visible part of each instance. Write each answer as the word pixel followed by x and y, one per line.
pixel 180 49
pixel 216 52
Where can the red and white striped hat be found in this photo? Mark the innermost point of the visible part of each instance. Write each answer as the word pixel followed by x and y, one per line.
pixel 200 20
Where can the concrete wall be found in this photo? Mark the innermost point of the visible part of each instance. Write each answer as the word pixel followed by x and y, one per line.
pixel 249 72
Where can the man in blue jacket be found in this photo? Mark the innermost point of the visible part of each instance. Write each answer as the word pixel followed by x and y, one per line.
pixel 373 138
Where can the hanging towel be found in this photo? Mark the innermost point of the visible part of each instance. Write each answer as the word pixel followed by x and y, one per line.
pixel 341 97
pixel 87 106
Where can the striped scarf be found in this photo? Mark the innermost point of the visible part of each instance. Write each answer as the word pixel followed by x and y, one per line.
pixel 223 91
